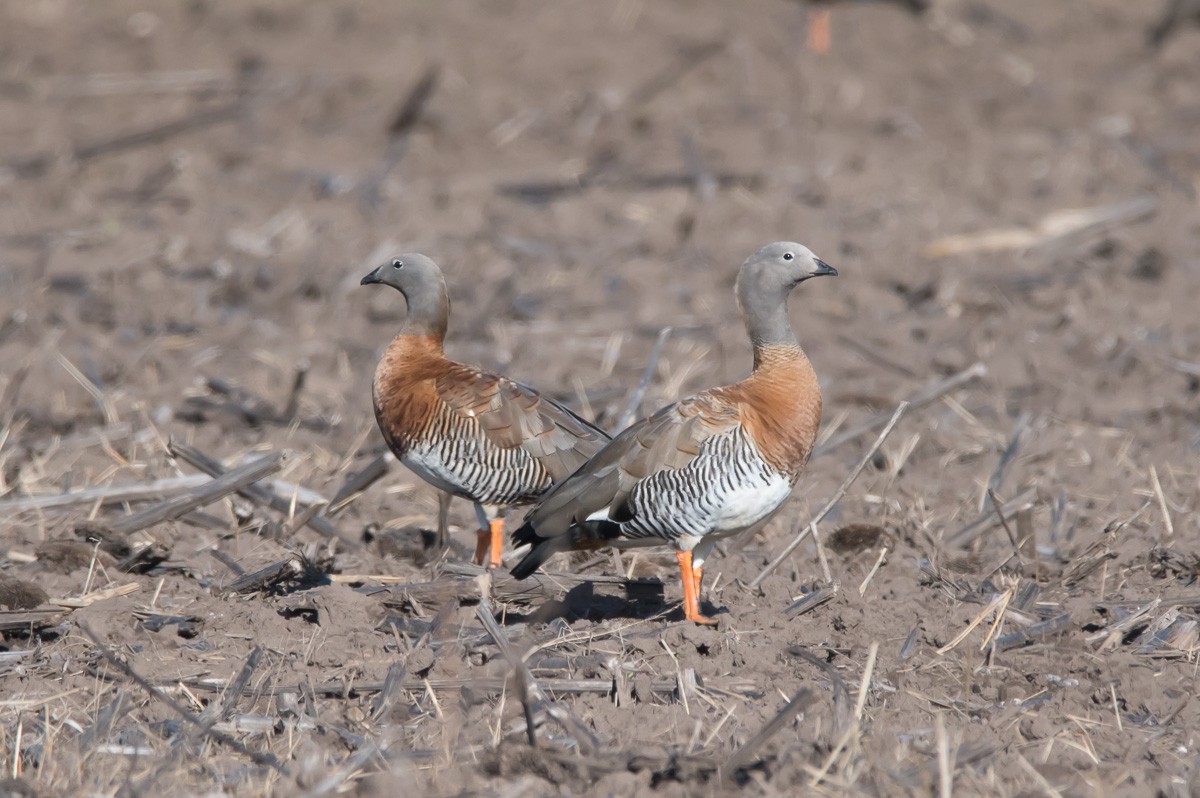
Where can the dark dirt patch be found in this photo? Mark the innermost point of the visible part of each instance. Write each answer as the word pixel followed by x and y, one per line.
pixel 19 594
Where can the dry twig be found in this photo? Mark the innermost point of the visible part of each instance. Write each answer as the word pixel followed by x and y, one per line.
pixel 255 493
pixel 639 392
pixel 36 164
pixel 842 715
pixel 260 758
pixel 1053 227
pixel 986 520
pixel 837 496
pixel 811 601
pixel 359 481
pixel 211 491
pixel 273 574
pixel 916 401
pixel 741 757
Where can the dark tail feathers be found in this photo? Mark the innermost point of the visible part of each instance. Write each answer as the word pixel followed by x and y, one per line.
pixel 592 535
pixel 541 552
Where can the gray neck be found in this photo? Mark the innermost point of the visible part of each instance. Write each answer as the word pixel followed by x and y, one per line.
pixel 428 309
pixel 765 312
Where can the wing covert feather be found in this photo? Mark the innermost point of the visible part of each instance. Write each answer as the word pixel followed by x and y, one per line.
pixel 667 440
pixel 512 415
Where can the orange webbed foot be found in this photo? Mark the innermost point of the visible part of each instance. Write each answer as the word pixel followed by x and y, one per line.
pixel 703 620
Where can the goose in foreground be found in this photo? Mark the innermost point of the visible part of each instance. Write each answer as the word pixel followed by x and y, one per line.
pixel 706 467
pixel 464 430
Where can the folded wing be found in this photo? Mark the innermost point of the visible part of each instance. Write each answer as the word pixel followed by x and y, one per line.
pixel 514 416
pixel 585 509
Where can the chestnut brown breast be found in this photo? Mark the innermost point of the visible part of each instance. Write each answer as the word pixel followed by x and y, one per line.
pixel 780 406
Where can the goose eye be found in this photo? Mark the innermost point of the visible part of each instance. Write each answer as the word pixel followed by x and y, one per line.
pixel 788 256
pixel 397 264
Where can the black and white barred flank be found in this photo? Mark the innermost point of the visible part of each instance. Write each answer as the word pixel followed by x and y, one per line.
pixel 454 454
pixel 728 486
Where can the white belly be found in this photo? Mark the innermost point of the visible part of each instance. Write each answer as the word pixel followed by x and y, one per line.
pixel 746 505
pixel 431 468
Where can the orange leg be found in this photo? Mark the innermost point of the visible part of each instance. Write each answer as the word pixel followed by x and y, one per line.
pixel 489 543
pixel 691 593
pixel 818 30
pixel 483 541
pixel 699 574
pixel 497 533
pixel 443 518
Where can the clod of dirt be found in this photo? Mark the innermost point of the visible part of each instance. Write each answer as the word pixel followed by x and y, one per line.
pixel 414 544
pixel 918 294
pixel 186 626
pixel 76 284
pixel 17 787
pixel 17 594
pixel 421 662
pixel 1150 265
pixel 92 531
pixel 68 555
pixel 645 569
pixel 966 564
pixel 519 759
pixel 1163 563
pixel 855 537
pixel 1105 248
pixel 548 610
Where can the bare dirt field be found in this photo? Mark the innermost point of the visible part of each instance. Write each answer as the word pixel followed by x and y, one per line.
pixel 190 192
